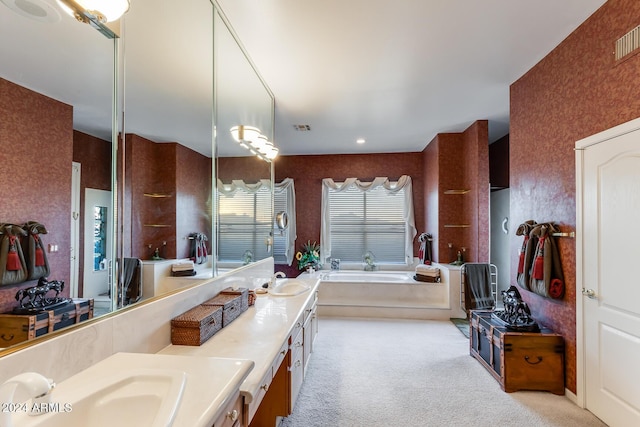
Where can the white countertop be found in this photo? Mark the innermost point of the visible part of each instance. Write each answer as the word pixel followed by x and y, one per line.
pixel 256 335
pixel 209 386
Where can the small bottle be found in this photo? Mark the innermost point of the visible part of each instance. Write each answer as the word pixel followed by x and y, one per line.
pixel 460 260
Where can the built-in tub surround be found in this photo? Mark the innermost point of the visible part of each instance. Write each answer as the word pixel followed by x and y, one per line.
pixel 390 294
pixel 143 328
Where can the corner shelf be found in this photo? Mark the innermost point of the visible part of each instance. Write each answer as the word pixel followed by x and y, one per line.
pixel 157 195
pixel 456 191
pixel 457 225
pixel 157 225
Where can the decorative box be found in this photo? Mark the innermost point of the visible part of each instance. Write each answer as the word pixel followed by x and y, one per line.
pixel 232 306
pixel 195 326
pixel 244 296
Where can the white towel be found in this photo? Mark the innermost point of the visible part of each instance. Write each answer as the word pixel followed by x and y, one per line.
pixel 427 270
pixel 183 266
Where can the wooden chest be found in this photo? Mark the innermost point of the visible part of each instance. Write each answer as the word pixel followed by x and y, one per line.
pixel 518 360
pixel 15 328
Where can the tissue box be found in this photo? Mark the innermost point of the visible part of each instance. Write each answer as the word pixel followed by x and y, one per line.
pixel 196 326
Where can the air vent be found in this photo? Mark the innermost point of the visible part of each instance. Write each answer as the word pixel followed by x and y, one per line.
pixel 302 128
pixel 628 43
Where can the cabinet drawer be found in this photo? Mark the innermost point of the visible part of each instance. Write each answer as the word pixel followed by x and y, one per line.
pixel 265 383
pixel 232 414
pixel 282 353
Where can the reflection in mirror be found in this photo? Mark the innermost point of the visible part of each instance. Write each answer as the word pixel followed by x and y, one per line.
pixel 56 102
pixel 168 143
pixel 244 190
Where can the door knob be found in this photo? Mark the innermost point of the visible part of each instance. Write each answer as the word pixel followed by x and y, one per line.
pixel 589 293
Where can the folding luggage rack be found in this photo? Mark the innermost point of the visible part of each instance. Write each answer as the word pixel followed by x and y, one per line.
pixel 493 282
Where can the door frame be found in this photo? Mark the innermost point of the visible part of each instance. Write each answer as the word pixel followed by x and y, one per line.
pixel 580 146
pixel 76 253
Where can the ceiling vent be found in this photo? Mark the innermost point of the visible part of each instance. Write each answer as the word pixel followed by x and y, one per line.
pixel 302 128
pixel 628 43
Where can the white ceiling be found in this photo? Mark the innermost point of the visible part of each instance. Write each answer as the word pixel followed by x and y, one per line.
pixel 395 72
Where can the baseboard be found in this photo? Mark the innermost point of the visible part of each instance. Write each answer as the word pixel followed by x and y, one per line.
pixel 571 396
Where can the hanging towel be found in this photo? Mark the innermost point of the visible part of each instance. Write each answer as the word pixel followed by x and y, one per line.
pixel 131 280
pixel 477 292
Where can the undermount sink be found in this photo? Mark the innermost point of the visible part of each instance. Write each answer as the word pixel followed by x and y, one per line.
pixel 289 287
pixel 136 397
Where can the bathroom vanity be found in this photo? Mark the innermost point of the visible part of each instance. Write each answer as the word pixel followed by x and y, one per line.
pixel 277 334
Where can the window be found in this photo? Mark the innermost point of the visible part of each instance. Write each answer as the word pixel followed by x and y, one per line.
pixel 245 220
pixel 360 217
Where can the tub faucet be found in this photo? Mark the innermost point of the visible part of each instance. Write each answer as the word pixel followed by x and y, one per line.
pixel 33 384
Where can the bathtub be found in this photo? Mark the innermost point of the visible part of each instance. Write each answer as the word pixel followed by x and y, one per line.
pixel 368 276
pixel 387 294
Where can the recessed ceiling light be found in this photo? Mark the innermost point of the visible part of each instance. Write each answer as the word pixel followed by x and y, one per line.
pixel 360 141
pixel 38 10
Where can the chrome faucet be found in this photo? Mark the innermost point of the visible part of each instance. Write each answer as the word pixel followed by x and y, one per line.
pixel 35 385
pixel 272 281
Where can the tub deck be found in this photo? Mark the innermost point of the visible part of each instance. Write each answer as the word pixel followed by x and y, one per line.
pixel 389 294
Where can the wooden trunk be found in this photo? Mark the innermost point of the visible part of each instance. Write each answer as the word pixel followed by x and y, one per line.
pixel 518 360
pixel 15 328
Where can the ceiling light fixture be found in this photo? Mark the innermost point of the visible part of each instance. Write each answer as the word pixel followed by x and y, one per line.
pixel 360 140
pixel 250 138
pixel 96 12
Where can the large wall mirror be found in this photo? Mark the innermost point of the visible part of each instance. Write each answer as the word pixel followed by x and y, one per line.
pixel 243 180
pixel 56 122
pixel 180 70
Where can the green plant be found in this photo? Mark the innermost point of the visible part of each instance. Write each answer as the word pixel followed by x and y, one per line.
pixel 309 256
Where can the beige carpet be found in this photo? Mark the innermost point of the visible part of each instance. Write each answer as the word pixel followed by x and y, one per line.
pixel 413 373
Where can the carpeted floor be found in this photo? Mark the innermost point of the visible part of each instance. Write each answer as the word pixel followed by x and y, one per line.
pixel 373 373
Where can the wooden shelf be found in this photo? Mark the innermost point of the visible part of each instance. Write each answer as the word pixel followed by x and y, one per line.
pixel 158 195
pixel 457 225
pixel 157 225
pixel 456 191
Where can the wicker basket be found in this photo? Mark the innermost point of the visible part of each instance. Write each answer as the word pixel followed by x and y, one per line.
pixel 244 293
pixel 232 306
pixel 197 325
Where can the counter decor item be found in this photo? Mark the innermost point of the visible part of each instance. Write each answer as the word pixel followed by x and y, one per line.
pixel 196 326
pixel 369 261
pixel 516 315
pixel 309 256
pixel 233 305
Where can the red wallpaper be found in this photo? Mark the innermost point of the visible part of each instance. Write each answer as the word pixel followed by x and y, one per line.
pixel 459 161
pixel 177 172
pixel 36 146
pixel 193 194
pixel 575 91
pixel 308 172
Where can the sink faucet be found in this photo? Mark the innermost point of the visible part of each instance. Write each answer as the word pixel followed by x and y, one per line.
pixel 272 281
pixel 35 385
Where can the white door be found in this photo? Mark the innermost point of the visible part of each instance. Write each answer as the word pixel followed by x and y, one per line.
pixel 610 298
pixel 500 253
pixel 97 243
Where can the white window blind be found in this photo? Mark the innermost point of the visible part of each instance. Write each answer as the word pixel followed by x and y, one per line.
pixel 361 217
pixel 245 221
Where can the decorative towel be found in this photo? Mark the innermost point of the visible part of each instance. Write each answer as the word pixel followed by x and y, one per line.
pixel 477 293
pixel 183 266
pixel 427 270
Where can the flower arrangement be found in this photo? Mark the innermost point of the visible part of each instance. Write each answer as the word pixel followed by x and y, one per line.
pixel 369 261
pixel 309 256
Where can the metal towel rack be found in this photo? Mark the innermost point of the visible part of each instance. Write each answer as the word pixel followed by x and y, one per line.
pixel 493 278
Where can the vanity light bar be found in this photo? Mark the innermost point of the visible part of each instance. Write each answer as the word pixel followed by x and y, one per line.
pixel 250 138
